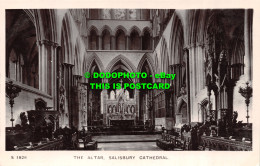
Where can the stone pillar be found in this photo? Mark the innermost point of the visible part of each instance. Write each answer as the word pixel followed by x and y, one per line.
pixel 248 44
pixel 186 54
pixel 192 77
pixel 200 67
pixel 127 43
pixel 68 84
pixel 48 68
pixel 137 104
pixel 141 42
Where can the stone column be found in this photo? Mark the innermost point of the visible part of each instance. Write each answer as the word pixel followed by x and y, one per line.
pixel 192 77
pixel 141 42
pixel 137 104
pixel 186 54
pixel 127 43
pixel 68 84
pixel 200 66
pixel 48 68
pixel 248 44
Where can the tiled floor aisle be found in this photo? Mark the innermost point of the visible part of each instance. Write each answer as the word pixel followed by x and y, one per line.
pixel 127 142
pixel 125 138
pixel 132 146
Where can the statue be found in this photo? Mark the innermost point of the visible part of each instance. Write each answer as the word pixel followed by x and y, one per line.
pixel 128 110
pixel 127 94
pixel 132 109
pixel 114 109
pixel 109 110
pixel 112 95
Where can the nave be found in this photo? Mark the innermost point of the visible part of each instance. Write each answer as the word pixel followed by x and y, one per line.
pixel 50 103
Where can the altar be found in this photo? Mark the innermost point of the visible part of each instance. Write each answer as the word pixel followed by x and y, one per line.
pixel 120 109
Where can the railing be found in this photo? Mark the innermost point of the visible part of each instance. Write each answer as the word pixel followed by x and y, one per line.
pixel 218 143
pixel 48 145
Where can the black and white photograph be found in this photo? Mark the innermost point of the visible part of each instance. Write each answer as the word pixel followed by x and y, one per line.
pixel 107 79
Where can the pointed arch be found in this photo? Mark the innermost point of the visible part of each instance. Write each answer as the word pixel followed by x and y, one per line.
pixel 66 40
pixel 120 36
pixel 135 28
pixel 120 27
pixel 124 61
pixel 46 24
pixel 91 28
pixel 176 41
pixel 88 61
pixel 77 59
pixel 106 27
pixel 164 56
pixel 147 58
pixel 147 29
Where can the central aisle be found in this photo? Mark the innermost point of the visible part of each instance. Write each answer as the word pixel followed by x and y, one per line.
pixel 131 146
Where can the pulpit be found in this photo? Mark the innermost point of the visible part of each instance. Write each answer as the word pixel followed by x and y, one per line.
pixel 42 120
pixel 42 116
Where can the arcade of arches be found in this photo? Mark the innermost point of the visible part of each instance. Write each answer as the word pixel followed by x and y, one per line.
pixel 48 51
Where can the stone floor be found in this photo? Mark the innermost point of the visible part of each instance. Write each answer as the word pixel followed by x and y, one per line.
pixel 127 142
pixel 126 138
pixel 131 146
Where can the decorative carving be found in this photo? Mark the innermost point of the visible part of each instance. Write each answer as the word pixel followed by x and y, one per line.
pixel 40 105
pixel 24 120
pixel 62 99
pixel 112 95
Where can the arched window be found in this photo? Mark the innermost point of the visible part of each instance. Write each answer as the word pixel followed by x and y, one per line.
pixel 105 40
pixel 135 43
pixel 146 42
pixel 120 40
pixel 21 48
pixel 93 40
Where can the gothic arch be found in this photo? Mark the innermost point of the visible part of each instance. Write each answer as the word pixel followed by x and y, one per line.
pixel 92 27
pixel 147 29
pixel 150 62
pixel 179 104
pixel 45 23
pixel 124 60
pixel 164 56
pixel 77 60
pixel 106 27
pixel 90 60
pixel 135 28
pixel 120 27
pixel 176 41
pixel 66 40
pixel 197 23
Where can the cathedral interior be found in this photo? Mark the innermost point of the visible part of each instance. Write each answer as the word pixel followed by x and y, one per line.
pixel 49 100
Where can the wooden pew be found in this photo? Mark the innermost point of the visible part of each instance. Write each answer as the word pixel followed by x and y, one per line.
pixel 90 144
pixel 167 142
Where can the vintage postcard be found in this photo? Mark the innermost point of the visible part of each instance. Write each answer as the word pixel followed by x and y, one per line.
pixel 162 83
